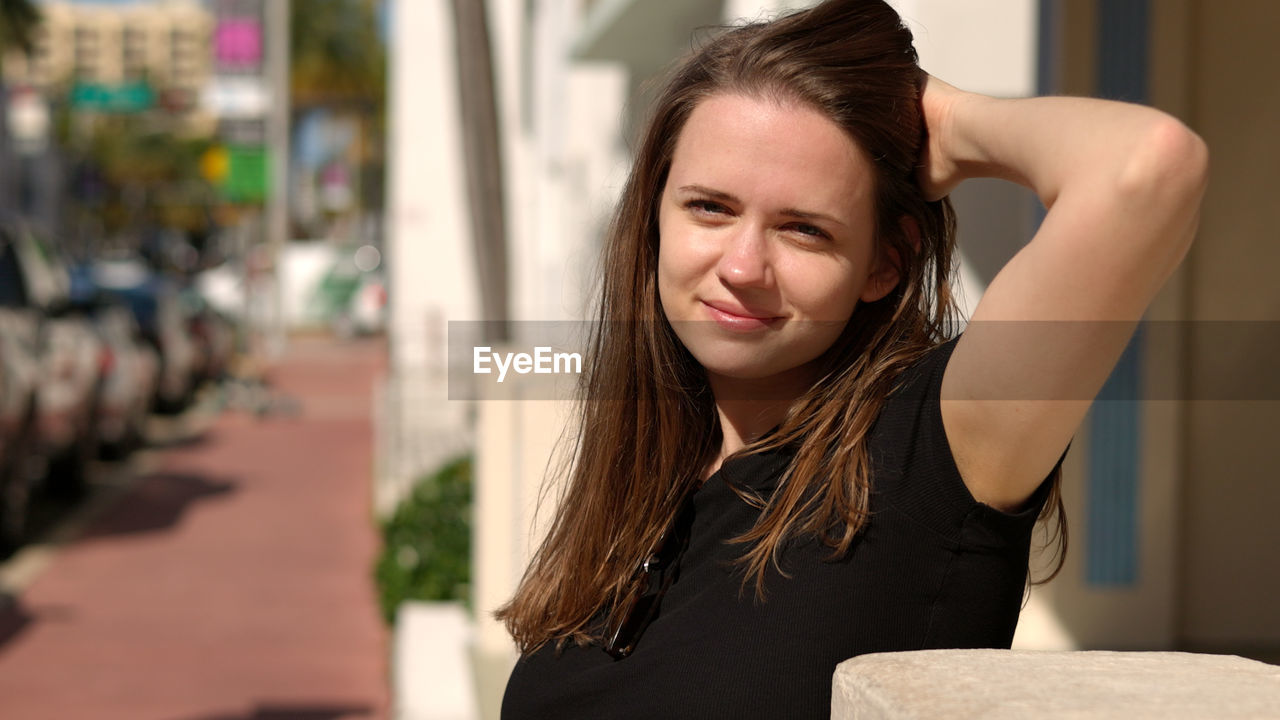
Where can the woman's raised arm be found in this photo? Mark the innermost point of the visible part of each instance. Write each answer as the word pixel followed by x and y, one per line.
pixel 1123 185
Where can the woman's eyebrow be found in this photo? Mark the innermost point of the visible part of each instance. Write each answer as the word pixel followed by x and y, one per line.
pixel 807 215
pixel 722 196
pixel 713 194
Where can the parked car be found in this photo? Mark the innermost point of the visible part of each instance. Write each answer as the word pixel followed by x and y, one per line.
pixel 156 305
pixel 37 312
pixel 214 334
pixel 131 368
pixel 18 377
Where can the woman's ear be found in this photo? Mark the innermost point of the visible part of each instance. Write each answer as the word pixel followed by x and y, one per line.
pixel 888 270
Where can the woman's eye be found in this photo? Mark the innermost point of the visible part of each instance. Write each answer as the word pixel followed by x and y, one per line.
pixel 706 207
pixel 812 231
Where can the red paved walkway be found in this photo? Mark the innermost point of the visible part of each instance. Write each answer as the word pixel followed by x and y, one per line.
pixel 232 583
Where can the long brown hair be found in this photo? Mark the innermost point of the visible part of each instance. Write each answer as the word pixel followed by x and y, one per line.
pixel 648 423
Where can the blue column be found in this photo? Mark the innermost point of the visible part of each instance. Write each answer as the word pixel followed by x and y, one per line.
pixel 1115 430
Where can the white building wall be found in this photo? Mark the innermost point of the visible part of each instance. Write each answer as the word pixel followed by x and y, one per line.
pixel 744 10
pixel 987 46
pixel 432 277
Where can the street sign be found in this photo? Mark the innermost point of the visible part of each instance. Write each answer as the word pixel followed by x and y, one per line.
pixel 125 98
pixel 246 179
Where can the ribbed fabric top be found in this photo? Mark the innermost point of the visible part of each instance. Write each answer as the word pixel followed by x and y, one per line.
pixel 933 568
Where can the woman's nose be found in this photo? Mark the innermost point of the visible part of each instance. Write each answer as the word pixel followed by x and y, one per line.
pixel 744 259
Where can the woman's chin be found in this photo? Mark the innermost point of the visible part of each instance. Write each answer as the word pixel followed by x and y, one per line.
pixel 762 381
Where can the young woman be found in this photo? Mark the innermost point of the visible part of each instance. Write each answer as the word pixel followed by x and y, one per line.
pixel 786 459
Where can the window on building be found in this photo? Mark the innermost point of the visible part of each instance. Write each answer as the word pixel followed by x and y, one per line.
pixel 134 50
pixel 86 53
pixel 181 54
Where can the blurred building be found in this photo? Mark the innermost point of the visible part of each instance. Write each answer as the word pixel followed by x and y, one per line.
pixel 162 44
pixel 1171 499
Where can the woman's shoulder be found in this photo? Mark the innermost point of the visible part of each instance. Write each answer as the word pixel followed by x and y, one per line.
pixel 907 436
pixel 921 378
pixel 914 469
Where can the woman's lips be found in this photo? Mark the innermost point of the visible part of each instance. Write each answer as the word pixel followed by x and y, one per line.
pixel 737 319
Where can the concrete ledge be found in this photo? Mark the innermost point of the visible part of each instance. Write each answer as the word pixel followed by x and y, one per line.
pixel 1018 684
pixel 431 663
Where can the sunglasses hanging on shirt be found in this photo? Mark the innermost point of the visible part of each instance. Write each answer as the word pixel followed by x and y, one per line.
pixel 653 575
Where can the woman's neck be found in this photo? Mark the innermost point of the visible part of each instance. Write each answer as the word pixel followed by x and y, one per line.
pixel 749 409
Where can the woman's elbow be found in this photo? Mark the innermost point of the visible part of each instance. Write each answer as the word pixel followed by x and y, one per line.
pixel 1168 167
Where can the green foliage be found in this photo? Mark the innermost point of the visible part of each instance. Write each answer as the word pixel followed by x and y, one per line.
pixel 337 53
pixel 141 170
pixel 426 552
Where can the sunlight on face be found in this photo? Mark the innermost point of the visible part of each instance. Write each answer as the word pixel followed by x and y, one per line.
pixel 766 237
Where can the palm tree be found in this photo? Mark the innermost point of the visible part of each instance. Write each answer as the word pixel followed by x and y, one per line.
pixel 18 20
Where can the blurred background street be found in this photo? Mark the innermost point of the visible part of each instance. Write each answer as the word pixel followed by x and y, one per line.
pixel 226 576
pixel 192 307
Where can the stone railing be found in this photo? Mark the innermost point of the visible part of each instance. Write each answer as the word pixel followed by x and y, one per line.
pixel 1018 684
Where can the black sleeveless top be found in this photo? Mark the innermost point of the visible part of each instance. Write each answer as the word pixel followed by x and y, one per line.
pixel 933 568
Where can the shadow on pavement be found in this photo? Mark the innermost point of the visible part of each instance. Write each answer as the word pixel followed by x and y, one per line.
pixel 296 712
pixel 16 618
pixel 158 502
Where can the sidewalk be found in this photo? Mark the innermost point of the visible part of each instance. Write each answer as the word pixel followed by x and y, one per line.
pixel 232 582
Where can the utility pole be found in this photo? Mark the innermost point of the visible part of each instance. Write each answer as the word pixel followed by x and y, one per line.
pixel 277 142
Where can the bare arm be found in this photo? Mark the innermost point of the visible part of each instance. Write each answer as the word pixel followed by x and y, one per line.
pixel 1123 185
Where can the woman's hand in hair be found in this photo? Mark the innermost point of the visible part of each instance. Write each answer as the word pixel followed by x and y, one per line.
pixel 939 173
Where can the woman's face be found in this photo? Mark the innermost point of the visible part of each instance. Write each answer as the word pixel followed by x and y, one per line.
pixel 767 240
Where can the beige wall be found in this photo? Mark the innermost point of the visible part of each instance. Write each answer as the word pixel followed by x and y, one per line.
pixel 1230 576
pixel 1207 577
